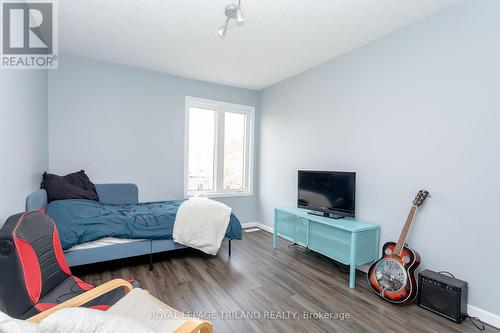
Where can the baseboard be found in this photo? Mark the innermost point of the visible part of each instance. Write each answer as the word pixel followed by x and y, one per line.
pixel 485 316
pixel 258 225
pixel 248 225
pixel 265 228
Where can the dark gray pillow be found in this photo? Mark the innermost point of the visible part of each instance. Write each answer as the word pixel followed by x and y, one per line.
pixel 76 185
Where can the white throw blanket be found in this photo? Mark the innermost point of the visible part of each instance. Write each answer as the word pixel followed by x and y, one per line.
pixel 201 223
pixel 74 320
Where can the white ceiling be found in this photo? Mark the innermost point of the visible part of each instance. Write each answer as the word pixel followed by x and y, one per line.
pixel 279 39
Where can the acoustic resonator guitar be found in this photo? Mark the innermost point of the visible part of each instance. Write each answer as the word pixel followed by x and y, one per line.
pixel 393 276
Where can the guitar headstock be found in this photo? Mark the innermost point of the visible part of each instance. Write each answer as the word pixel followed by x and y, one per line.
pixel 420 198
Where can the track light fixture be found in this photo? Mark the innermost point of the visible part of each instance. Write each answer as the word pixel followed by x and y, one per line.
pixel 233 12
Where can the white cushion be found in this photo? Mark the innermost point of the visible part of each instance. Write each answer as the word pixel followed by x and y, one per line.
pixel 74 320
pixel 139 305
pixel 10 325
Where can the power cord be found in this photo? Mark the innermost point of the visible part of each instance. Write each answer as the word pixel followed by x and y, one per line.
pixel 447 273
pixel 297 246
pixel 474 320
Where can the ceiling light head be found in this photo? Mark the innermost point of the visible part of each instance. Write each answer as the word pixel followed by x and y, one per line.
pixel 233 12
pixel 239 17
pixel 222 31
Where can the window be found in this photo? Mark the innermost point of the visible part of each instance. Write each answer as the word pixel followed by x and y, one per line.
pixel 219 146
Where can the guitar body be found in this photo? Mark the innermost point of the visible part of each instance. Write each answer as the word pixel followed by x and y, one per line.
pixel 392 277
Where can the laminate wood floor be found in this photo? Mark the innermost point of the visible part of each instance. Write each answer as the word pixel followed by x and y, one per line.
pixel 259 289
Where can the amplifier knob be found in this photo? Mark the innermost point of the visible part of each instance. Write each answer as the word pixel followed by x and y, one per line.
pixel 406 259
pixel 388 251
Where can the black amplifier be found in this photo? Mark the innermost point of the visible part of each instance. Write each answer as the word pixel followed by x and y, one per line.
pixel 443 295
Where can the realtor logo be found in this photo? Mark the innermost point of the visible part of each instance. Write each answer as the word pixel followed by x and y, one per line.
pixel 29 34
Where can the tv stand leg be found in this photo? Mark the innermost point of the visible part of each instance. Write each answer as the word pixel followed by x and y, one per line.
pixel 352 271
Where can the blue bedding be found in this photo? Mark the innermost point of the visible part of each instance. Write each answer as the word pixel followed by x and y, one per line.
pixel 80 221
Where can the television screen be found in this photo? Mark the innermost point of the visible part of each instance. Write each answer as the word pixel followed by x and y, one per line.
pixel 327 191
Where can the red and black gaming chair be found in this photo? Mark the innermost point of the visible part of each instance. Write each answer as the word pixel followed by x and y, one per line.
pixel 34 275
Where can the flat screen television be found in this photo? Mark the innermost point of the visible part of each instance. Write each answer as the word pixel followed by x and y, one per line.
pixel 329 192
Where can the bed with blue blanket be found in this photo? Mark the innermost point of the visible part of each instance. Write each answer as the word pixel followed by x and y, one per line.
pixel 117 226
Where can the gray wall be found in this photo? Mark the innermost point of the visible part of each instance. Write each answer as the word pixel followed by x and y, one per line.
pixel 123 124
pixel 418 109
pixel 23 138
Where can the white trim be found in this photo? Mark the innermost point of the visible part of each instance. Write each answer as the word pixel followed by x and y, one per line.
pixel 265 228
pixel 186 146
pixel 219 151
pixel 249 225
pixel 228 194
pixel 258 225
pixel 221 108
pixel 210 103
pixel 485 316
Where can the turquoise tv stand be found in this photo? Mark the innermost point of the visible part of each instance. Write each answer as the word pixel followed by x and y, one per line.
pixel 348 241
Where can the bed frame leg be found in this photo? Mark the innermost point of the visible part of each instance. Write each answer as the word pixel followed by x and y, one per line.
pixel 229 247
pixel 150 262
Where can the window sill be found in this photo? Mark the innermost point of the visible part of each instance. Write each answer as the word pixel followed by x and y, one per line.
pixel 223 195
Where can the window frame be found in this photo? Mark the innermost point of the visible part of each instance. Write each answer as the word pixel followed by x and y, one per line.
pixel 220 108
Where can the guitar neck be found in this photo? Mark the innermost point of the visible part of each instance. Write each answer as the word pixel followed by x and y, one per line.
pixel 404 233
